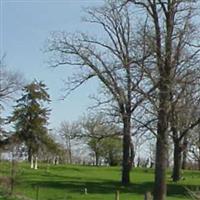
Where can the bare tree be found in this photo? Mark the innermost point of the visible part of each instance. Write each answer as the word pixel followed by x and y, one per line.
pixel 10 83
pixel 194 147
pixel 172 34
pixel 185 110
pixel 69 131
pixel 113 60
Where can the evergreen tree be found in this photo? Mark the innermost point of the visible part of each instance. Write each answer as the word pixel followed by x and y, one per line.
pixel 31 116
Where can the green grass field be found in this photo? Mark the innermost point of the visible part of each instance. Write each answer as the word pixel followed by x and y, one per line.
pixel 69 182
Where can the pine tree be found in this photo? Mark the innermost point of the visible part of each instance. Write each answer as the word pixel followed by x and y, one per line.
pixel 30 116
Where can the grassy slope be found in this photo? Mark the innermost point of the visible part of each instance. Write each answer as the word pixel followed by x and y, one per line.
pixel 68 182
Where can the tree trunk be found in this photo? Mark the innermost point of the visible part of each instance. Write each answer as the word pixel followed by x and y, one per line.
pixel 70 151
pixel 29 155
pixel 160 169
pixel 36 162
pixel 177 162
pixel 184 161
pixel 32 162
pixel 126 165
pixel 199 151
pixel 96 159
pixel 111 160
pixel 13 173
pixel 168 158
pixel 70 156
pixel 162 141
pixel 132 154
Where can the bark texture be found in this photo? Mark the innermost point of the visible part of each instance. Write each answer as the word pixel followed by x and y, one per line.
pixel 126 152
pixel 177 162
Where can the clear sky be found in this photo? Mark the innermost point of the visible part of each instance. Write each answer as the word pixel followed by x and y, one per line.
pixel 25 25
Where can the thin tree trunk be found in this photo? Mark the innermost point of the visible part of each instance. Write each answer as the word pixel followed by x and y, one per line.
pixel 96 159
pixel 70 156
pixel 132 156
pixel 32 162
pixel 57 160
pixel 36 162
pixel 168 158
pixel 199 151
pixel 177 162
pixel 184 161
pixel 126 166
pixel 70 151
pixel 13 173
pixel 29 155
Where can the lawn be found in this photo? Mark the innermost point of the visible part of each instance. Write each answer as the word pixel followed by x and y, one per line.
pixel 68 182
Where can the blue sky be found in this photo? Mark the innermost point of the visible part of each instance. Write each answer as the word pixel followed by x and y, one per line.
pixel 25 26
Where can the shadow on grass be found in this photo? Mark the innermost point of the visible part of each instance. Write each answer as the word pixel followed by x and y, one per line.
pixel 109 187
pixel 70 183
